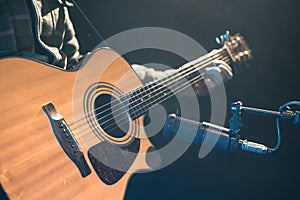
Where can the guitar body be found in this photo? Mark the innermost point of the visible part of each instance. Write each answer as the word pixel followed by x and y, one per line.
pixel 33 165
pixel 80 135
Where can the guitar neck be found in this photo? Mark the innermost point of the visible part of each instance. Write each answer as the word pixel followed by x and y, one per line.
pixel 138 101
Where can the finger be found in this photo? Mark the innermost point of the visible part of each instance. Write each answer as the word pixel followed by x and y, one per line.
pixel 209 83
pixel 225 68
pixel 221 62
pixel 215 73
pixel 226 74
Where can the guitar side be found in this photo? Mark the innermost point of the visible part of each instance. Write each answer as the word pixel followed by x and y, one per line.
pixel 32 163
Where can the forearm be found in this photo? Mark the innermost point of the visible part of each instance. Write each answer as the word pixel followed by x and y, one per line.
pixel 148 74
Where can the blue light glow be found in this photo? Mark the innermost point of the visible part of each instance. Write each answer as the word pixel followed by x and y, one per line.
pixel 218 41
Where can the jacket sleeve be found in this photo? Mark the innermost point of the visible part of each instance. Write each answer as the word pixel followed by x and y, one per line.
pixel 147 74
pixel 70 42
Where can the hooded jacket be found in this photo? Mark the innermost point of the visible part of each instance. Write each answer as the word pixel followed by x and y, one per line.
pixel 38 29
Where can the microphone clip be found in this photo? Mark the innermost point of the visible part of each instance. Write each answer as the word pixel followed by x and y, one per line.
pixel 235 120
pixel 284 113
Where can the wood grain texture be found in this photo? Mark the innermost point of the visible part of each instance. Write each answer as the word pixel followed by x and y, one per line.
pixel 32 164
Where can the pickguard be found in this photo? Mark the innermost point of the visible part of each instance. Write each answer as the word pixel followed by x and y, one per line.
pixel 120 157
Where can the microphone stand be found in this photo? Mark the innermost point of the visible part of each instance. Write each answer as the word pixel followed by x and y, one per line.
pixel 237 108
pixel 228 139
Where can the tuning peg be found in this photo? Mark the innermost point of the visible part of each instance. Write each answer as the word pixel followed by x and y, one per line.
pixel 224 36
pixel 220 40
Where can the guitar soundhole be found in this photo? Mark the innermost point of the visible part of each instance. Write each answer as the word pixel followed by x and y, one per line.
pixel 111 115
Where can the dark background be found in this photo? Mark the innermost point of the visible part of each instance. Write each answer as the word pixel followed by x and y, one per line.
pixel 272 29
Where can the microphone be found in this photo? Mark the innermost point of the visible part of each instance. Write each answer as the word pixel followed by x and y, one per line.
pixel 223 138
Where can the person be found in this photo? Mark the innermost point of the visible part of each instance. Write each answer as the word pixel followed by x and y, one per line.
pixel 42 30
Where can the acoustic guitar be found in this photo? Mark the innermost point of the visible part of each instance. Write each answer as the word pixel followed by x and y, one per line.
pixel 79 134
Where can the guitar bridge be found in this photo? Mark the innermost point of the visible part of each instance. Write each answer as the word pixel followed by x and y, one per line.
pixel 66 139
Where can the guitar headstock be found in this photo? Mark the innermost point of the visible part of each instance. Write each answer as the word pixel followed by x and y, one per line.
pixel 236 47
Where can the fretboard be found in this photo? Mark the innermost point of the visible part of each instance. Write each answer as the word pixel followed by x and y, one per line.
pixel 138 101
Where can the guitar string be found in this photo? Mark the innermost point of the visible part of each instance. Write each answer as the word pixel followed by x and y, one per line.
pixel 142 108
pixel 86 132
pixel 165 79
pixel 195 80
pixel 157 94
pixel 178 89
pixel 202 58
pixel 194 69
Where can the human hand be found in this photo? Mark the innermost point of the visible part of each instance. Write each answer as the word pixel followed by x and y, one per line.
pixel 215 75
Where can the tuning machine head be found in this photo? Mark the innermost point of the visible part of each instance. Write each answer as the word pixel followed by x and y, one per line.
pixel 222 38
pixel 236 48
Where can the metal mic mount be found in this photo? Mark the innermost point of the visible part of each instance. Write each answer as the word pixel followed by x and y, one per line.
pixel 284 113
pixel 237 107
pixel 229 139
